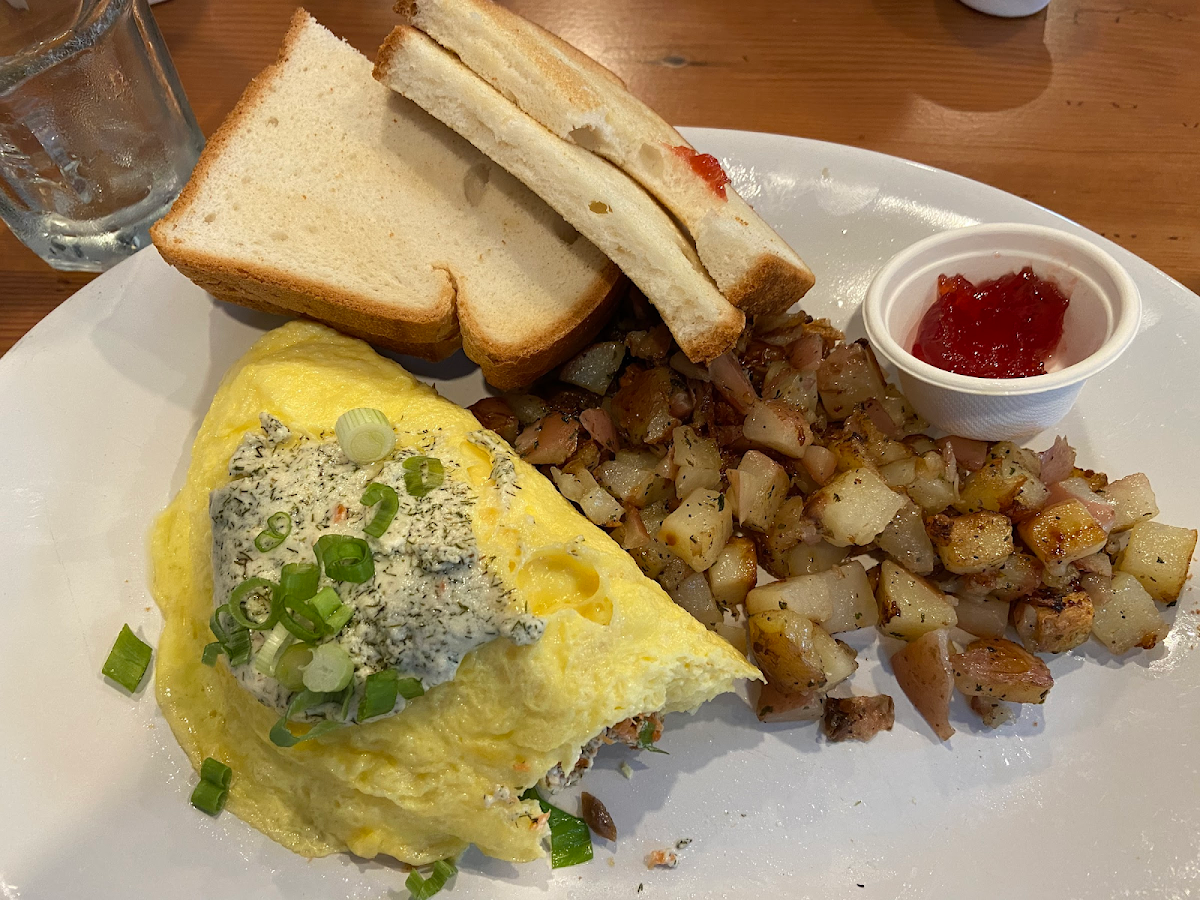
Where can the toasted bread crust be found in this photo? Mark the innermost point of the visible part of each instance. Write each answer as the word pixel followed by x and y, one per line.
pixel 770 285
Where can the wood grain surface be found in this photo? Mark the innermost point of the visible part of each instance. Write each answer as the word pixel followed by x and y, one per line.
pixel 1091 108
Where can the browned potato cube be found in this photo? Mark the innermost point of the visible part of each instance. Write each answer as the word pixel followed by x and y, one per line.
pixel 758 487
pixel 734 573
pixel 909 606
pixel 699 529
pixel 923 671
pixel 775 425
pixel 773 705
pixel 854 508
pixel 852 597
pixel 1007 483
pixel 809 559
pixel 849 375
pixel 858 718
pixel 972 542
pixel 1053 624
pixel 1158 556
pixel 807 595
pixel 782 641
pixel 1001 670
pixel 1063 533
pixel 907 542
pixel 698 461
pixel 1126 616
pixel 1134 499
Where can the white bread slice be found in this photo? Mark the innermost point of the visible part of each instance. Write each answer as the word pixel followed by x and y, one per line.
pixel 581 101
pixel 605 205
pixel 327 195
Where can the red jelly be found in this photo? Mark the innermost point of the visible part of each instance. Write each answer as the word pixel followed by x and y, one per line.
pixel 1004 328
pixel 707 167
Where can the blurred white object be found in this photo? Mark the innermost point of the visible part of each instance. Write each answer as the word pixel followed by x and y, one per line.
pixel 1009 9
pixel 1102 319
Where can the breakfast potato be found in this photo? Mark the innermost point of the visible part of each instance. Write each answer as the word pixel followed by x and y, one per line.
pixel 857 718
pixel 909 606
pixel 775 425
pixel 1007 482
pixel 906 418
pixel 758 487
pixel 698 461
pixel 807 595
pixel 772 705
pixel 809 559
pixel 907 542
pixel 1018 576
pixel 597 504
pixel 900 473
pixel 848 376
pixel 1133 499
pixel 971 542
pixel 837 658
pixel 923 672
pixel 634 477
pixel 1063 532
pixel 852 599
pixel 983 617
pixel 698 530
pixel 1158 556
pixel 783 645
pixel 795 388
pixel 1125 616
pixel 932 488
pixel 734 572
pixel 1001 670
pixel 854 508
pixel 694 595
pixel 1049 623
pixel 993 713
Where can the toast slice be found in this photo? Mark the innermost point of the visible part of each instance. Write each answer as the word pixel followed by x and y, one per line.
pixel 326 195
pixel 581 101
pixel 607 207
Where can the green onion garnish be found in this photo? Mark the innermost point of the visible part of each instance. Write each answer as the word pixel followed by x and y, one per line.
pixel 233 638
pixel 365 435
pixel 212 652
pixel 298 581
pixel 389 505
pixel 330 669
pixel 282 736
pixel 646 739
pixel 279 526
pixel 345 558
pixel 422 474
pixel 570 839
pixel 295 628
pixel 424 888
pixel 267 659
pixel 217 772
pixel 254 587
pixel 410 688
pixel 290 669
pixel 209 798
pixel 127 660
pixel 330 609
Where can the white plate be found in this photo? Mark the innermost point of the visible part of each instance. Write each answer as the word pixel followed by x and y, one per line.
pixel 1095 795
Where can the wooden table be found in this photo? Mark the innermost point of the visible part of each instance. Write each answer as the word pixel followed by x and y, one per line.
pixel 1091 108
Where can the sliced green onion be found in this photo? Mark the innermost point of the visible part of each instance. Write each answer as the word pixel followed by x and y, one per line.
pixel 266 660
pixel 253 587
pixel 424 888
pixel 330 669
pixel 282 736
pixel 298 581
pixel 365 435
pixel 646 739
pixel 279 526
pixel 216 772
pixel 209 798
pixel 422 474
pixel 290 670
pixel 570 839
pixel 127 660
pixel 345 558
pixel 381 690
pixel 212 652
pixel 296 629
pixel 410 688
pixel 389 505
pixel 234 639
pixel 333 613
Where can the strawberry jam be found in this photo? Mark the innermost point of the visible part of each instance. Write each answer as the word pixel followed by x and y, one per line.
pixel 707 167
pixel 1004 328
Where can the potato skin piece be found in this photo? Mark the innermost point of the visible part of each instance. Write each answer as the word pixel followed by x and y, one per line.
pixel 858 718
pixel 924 674
pixel 1001 670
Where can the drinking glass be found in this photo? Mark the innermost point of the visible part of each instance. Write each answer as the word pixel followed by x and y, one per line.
pixel 96 135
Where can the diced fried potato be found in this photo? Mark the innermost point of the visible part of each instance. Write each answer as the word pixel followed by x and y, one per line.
pixel 698 530
pixel 795 388
pixel 758 487
pixel 849 375
pixel 972 542
pixel 807 595
pixel 907 542
pixel 735 634
pixel 994 713
pixel 694 595
pixel 1126 616
pixel 900 473
pixel 850 452
pixel 909 606
pixel 931 488
pixel 1053 624
pixel 901 411
pixel 1158 556
pixel 595 367
pixel 773 705
pixel 782 641
pixel 854 508
pixel 1001 670
pixel 632 477
pixel 837 659
pixel 852 598
pixel 698 459
pixel 1018 576
pixel 1134 499
pixel 775 425
pixel 1062 533
pixel 809 559
pixel 734 572
pixel 820 463
pixel 983 617
pixel 858 718
pixel 923 671
pixel 599 506
pixel 1006 484
pixel 790 527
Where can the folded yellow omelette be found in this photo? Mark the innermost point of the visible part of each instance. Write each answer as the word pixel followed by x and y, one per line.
pixel 448 769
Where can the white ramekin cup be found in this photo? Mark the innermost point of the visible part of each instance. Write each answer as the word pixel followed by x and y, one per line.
pixel 1102 319
pixel 1009 9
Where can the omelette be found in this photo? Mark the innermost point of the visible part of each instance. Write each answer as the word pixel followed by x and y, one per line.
pixel 526 636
